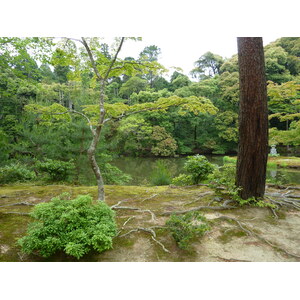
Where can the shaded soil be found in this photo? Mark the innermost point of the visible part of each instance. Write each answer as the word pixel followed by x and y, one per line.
pixel 226 241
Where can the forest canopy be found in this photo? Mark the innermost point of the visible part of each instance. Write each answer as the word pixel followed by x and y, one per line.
pixel 42 79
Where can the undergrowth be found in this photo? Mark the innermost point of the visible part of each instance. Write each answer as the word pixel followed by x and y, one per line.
pixel 73 226
pixel 186 227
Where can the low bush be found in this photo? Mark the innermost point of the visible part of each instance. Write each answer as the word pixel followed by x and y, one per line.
pixel 73 226
pixel 15 173
pixel 198 167
pixel 186 227
pixel 56 170
pixel 183 180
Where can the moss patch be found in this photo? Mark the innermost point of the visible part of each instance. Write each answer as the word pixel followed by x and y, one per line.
pixel 139 246
pixel 228 234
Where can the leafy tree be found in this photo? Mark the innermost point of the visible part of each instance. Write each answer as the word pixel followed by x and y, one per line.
pixel 46 73
pixel 132 85
pixel 284 104
pixel 150 53
pixel 101 113
pixel 179 81
pixel 276 60
pixel 164 144
pixel 208 65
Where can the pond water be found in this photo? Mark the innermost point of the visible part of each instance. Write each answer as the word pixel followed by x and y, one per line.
pixel 141 168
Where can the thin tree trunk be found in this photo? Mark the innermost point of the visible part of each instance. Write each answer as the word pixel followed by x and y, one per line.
pixel 95 141
pixel 97 131
pixel 253 119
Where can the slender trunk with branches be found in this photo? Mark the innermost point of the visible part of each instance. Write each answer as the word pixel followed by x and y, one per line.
pixel 102 79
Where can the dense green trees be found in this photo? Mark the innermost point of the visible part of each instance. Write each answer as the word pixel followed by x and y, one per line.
pixel 36 72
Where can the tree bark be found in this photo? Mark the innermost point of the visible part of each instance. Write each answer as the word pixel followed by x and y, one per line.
pixel 253 119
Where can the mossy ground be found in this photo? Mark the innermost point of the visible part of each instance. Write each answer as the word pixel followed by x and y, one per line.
pixel 279 161
pixel 286 162
pixel 224 239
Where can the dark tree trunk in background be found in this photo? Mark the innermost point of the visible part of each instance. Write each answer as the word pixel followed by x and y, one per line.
pixel 253 119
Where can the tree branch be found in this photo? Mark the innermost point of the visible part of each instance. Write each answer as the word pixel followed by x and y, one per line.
pixel 90 54
pixel 114 59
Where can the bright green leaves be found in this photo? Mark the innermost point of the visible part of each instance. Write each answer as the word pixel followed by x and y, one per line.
pixel 285 103
pixel 284 98
pixel 74 226
pixel 192 104
pixel 55 114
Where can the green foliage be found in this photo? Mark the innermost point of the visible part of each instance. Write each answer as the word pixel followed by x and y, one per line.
pixel 186 227
pixel 160 174
pixel 57 170
pixel 183 180
pixel 4 146
pixel 224 177
pixel 198 167
pixel 164 143
pixel 279 179
pixel 133 85
pixel 73 226
pixel 113 175
pixel 15 172
pixel 208 65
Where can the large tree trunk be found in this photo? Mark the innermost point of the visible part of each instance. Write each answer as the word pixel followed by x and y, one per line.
pixel 253 119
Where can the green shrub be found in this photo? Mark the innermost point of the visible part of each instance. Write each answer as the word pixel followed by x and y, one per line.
pixel 160 174
pixel 73 226
pixel 186 227
pixel 57 170
pixel 198 167
pixel 183 180
pixel 15 172
pixel 224 177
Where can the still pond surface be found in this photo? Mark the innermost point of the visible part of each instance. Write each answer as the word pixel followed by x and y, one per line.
pixel 141 168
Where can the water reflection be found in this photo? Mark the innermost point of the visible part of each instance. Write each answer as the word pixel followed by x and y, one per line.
pixel 141 168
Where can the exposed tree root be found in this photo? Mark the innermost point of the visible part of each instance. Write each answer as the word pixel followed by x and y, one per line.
pixel 116 206
pixel 199 198
pixel 177 212
pixel 18 203
pixel 152 196
pixel 231 259
pixel 283 187
pixel 162 245
pixel 282 200
pixel 148 230
pixel 14 213
pixel 274 212
pixel 250 232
